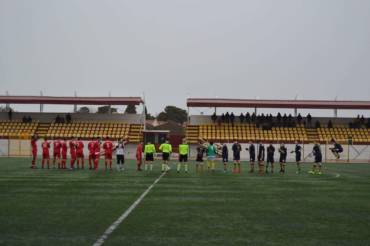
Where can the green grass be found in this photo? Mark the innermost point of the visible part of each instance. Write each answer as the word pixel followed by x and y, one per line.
pixel 56 207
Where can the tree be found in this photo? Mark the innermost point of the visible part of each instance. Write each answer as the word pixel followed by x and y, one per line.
pixel 83 110
pixel 148 116
pixel 162 116
pixel 130 109
pixel 105 110
pixel 173 113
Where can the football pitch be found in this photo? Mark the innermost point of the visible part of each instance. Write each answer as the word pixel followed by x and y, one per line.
pixel 60 207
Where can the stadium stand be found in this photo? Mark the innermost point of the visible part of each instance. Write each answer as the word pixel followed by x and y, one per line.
pixel 88 129
pixel 342 134
pixel 227 132
pixel 244 133
pixel 83 129
pixel 68 124
pixel 17 129
pixel 229 127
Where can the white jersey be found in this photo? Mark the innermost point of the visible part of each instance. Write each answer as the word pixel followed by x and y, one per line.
pixel 119 149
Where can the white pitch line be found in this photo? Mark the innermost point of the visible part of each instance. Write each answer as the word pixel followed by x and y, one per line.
pixel 116 223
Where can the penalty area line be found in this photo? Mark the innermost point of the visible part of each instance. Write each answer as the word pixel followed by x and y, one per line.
pixel 116 223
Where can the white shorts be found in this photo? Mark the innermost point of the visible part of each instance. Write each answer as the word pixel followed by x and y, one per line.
pixel 211 158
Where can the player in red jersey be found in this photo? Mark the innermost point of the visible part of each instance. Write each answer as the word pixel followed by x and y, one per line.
pixel 45 153
pixel 96 154
pixel 72 152
pixel 139 156
pixel 64 146
pixel 34 150
pixel 108 152
pixel 90 147
pixel 56 153
pixel 80 153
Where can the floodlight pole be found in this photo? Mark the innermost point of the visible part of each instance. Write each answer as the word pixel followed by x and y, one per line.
pixel 110 106
pixel 188 116
pixel 41 105
pixel 75 105
pixel 7 106
pixel 144 114
pixel 335 110
pixel 295 109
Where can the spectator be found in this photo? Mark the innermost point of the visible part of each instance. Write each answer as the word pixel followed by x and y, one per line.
pixel 278 117
pixel 223 118
pixel 10 114
pixel 29 119
pixel 227 117
pixel 309 119
pixel 330 124
pixel 248 117
pixel 253 118
pixel 68 118
pixel 299 118
pixel 262 118
pixel 241 117
pixel 285 120
pixel 362 119
pixel 271 118
pixel 214 117
pixel 232 118
pixel 57 119
pixel 24 119
pixel 290 120
pixel 368 123
pixel 317 124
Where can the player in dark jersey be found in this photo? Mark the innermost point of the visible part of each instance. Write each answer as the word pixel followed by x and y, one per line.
pixel 283 154
pixel 336 149
pixel 225 156
pixel 237 148
pixel 270 158
pixel 199 160
pixel 261 158
pixel 298 154
pixel 316 152
pixel 252 156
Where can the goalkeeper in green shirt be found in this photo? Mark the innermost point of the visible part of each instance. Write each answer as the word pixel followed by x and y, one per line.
pixel 183 156
pixel 211 156
pixel 166 149
pixel 149 151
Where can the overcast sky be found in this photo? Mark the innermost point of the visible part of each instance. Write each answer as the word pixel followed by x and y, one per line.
pixel 171 50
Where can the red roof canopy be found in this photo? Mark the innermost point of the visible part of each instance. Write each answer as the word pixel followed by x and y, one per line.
pixel 256 103
pixel 71 100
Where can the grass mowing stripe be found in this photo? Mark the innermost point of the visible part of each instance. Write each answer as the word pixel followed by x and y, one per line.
pixel 115 224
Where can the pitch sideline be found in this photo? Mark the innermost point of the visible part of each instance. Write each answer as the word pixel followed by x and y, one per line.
pixel 120 219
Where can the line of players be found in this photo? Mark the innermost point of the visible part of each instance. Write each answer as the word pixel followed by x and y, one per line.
pixel 263 152
pixel 76 150
pixel 76 147
pixel 236 149
pixel 211 152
